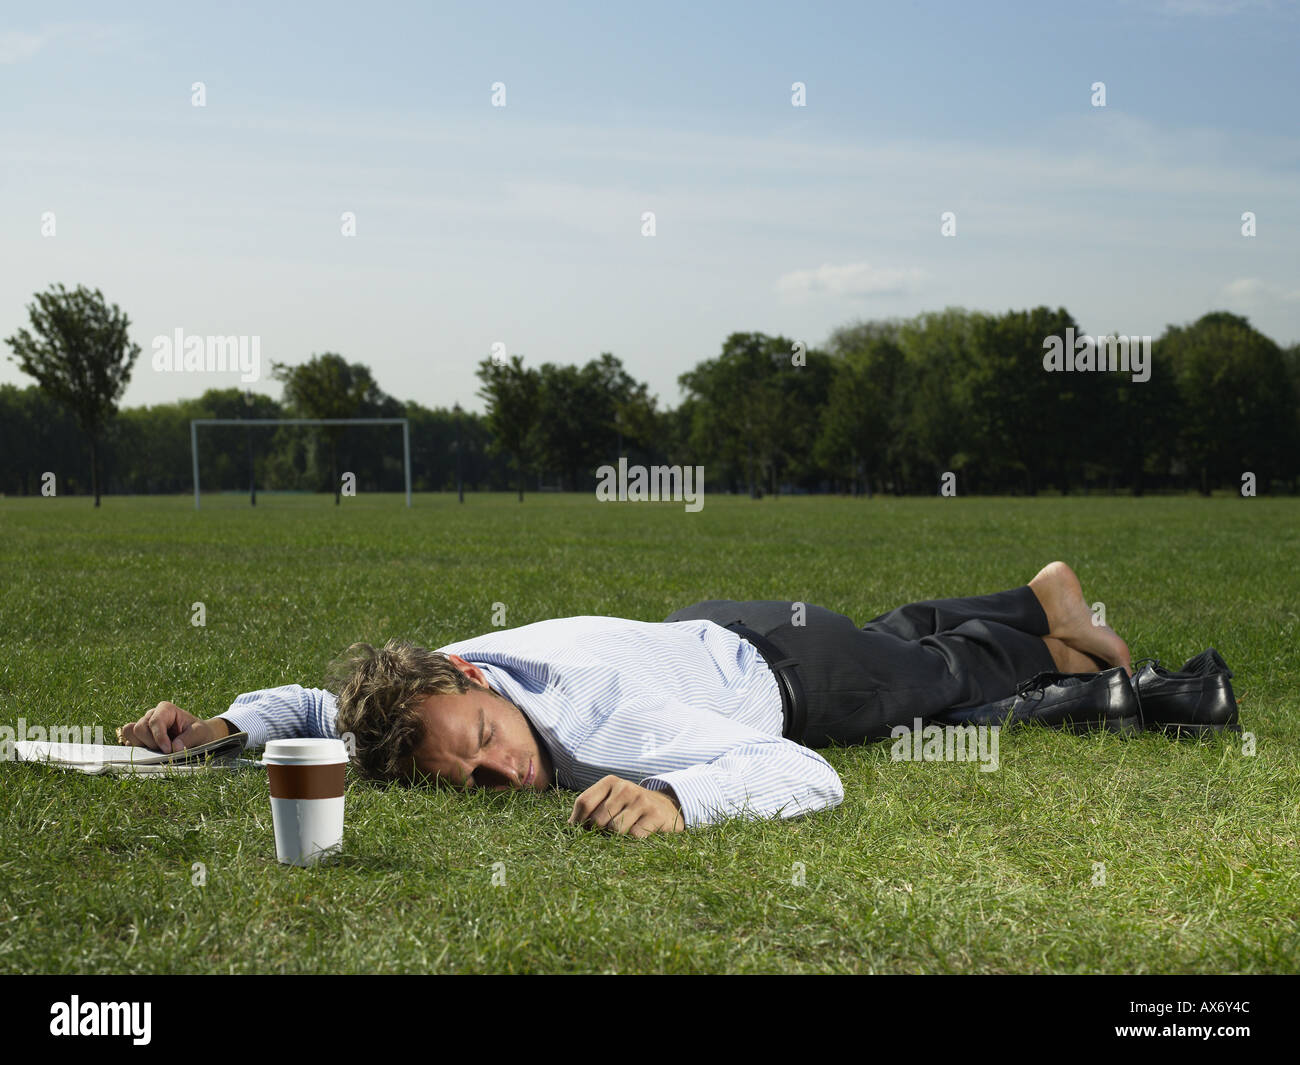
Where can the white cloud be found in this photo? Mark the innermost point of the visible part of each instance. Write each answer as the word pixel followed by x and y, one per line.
pixel 1255 292
pixel 1211 8
pixel 851 279
pixel 15 45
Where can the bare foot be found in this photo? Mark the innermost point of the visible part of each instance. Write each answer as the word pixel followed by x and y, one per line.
pixel 1070 619
pixel 1067 659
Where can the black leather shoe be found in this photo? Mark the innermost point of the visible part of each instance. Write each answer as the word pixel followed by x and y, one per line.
pixel 1195 700
pixel 1078 702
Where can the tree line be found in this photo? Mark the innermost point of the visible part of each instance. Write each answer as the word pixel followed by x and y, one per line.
pixel 884 406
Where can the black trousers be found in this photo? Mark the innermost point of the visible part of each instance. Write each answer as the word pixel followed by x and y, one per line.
pixel 913 662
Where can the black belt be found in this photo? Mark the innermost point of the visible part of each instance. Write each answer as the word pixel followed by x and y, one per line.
pixel 794 707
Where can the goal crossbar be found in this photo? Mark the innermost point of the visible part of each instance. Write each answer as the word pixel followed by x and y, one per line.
pixel 405 423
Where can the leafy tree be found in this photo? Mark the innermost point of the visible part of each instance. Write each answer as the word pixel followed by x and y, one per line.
pixel 1237 397
pixel 328 386
pixel 627 414
pixel 81 354
pixel 37 434
pixel 435 436
pixel 1131 427
pixel 150 449
pixel 1025 422
pixel 756 408
pixel 1291 467
pixel 859 430
pixel 936 401
pixel 596 411
pixel 513 417
pixel 239 456
pixel 569 432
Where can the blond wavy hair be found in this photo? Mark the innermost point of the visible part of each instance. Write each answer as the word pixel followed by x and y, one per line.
pixel 379 694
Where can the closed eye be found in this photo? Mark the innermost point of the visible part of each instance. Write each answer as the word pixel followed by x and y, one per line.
pixel 470 782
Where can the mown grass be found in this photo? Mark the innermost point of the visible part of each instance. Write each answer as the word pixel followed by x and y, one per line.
pixel 934 867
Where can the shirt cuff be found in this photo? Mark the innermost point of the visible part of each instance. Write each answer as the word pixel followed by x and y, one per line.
pixel 697 793
pixel 249 722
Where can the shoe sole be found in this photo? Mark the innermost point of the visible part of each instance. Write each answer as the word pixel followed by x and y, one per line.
pixel 1179 728
pixel 1127 726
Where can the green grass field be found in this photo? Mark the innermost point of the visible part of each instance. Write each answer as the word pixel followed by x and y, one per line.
pixel 926 867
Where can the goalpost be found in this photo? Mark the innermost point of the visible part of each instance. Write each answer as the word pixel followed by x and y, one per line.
pixel 403 422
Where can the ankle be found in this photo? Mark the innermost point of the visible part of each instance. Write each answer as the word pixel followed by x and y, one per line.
pixel 1067 659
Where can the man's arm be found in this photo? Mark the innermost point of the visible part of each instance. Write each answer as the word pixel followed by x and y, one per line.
pixel 287 712
pixel 765 777
pixel 270 714
pixel 714 766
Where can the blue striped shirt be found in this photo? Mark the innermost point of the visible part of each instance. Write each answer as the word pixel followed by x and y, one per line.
pixel 687 706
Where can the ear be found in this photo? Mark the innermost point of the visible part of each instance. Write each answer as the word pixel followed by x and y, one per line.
pixel 472 673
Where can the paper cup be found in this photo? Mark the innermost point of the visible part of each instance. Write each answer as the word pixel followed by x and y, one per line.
pixel 306 778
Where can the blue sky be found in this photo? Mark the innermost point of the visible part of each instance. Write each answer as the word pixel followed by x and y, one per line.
pixel 522 224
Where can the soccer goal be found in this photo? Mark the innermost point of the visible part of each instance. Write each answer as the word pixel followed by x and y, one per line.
pixel 403 422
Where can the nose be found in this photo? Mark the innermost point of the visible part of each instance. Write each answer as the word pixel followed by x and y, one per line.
pixel 497 776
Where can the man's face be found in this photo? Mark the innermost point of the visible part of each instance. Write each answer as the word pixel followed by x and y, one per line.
pixel 481 740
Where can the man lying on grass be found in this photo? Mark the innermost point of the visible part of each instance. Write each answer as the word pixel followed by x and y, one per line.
pixel 714 712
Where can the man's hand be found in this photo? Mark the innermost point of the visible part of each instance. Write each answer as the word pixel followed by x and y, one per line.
pixel 618 805
pixel 168 728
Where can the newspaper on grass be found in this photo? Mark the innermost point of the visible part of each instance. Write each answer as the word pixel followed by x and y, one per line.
pixel 104 758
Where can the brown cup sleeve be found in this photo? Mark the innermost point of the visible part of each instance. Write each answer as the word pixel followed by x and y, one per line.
pixel 307 781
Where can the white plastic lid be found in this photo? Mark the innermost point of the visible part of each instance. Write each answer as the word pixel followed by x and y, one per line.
pixel 305 752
